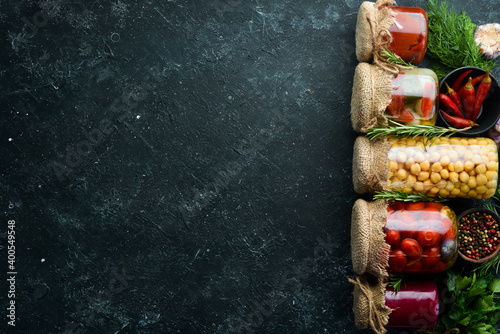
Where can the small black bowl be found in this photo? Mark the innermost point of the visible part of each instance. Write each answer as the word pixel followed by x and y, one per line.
pixel 491 255
pixel 490 111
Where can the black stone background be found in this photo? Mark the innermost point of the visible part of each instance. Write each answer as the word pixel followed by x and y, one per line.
pixel 214 194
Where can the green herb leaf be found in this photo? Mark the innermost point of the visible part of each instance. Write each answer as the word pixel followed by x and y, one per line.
pixel 404 197
pixel 495 285
pixel 395 282
pixel 395 59
pixel 397 130
pixel 451 40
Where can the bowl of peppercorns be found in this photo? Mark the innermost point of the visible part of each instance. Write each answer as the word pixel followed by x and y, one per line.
pixel 478 235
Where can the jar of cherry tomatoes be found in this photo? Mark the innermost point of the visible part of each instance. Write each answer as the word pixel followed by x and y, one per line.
pixel 450 167
pixel 403 30
pixel 409 97
pixel 376 305
pixel 417 238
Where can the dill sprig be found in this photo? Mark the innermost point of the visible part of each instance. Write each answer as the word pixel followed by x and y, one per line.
pixel 404 197
pixel 395 59
pixel 450 40
pixel 429 133
pixel 395 282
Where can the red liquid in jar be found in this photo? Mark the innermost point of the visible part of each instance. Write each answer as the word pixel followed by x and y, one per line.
pixel 415 306
pixel 409 33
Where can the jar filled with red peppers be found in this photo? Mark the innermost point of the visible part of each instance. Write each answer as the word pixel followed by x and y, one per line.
pixel 377 305
pixel 403 30
pixel 417 238
pixel 409 97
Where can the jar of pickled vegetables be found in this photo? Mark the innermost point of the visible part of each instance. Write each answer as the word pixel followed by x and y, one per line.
pixel 376 305
pixel 417 238
pixel 410 97
pixel 403 30
pixel 449 168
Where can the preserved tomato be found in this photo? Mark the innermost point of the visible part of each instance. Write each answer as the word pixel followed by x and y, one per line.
pixel 414 306
pixel 409 33
pixel 422 237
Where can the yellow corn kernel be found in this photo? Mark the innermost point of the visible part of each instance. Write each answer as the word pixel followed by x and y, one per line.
pixel 472 141
pixel 444 193
pixel 433 191
pixel 454 177
pixel 455 192
pixel 454 141
pixel 464 188
pixel 449 186
pixel 458 166
pixel 490 192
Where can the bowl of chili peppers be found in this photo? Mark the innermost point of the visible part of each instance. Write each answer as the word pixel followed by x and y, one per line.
pixel 478 235
pixel 469 97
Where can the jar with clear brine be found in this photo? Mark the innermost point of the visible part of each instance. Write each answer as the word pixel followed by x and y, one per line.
pixel 377 305
pixel 416 238
pixel 449 168
pixel 403 30
pixel 409 97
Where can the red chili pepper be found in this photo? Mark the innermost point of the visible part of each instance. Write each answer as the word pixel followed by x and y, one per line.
pixel 449 105
pixel 455 98
pixel 482 91
pixel 457 122
pixel 397 101
pixel 405 116
pixel 428 94
pixel 468 97
pixel 475 82
pixel 458 82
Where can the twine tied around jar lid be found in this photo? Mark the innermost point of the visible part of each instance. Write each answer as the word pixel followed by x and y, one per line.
pixel 373 35
pixel 371 94
pixel 369 251
pixel 369 304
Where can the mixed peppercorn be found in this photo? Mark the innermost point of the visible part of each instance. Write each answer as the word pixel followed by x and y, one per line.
pixel 478 235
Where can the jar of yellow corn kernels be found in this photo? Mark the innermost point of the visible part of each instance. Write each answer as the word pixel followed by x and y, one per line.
pixel 450 167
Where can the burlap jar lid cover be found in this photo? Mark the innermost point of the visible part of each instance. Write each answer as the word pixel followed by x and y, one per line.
pixel 371 94
pixel 369 251
pixel 370 165
pixel 369 304
pixel 372 32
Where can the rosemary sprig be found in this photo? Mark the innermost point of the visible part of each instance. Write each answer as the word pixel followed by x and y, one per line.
pixel 429 132
pixel 404 197
pixel 395 282
pixel 488 266
pixel 394 58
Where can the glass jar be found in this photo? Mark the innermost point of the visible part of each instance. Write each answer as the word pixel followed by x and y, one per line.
pixel 410 97
pixel 403 30
pixel 416 238
pixel 379 307
pixel 449 168
pixel 414 306
pixel 409 33
pixel 414 97
pixel 422 236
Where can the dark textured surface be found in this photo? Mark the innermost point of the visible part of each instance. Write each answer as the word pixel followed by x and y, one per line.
pixel 180 166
